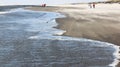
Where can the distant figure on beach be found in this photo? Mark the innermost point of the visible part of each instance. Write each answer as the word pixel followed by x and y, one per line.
pixel 94 5
pixel 90 5
pixel 43 5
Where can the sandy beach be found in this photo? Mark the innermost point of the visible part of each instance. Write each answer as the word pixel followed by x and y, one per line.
pixel 101 23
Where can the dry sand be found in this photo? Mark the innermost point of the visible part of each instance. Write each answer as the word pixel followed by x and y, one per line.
pixel 101 23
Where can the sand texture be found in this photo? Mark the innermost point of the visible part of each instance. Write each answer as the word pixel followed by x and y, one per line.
pixel 101 23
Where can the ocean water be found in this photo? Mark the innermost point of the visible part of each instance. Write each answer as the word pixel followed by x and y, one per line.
pixel 29 39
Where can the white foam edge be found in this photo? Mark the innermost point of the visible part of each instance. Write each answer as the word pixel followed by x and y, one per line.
pixel 4 12
pixel 115 54
pixel 59 33
pixel 23 9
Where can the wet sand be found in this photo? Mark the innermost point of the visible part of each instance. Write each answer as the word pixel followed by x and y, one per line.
pixel 80 21
pixel 101 23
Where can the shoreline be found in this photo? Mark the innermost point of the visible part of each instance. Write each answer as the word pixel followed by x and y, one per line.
pixel 113 33
pixel 79 27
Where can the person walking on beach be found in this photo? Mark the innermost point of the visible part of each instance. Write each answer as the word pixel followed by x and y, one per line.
pixel 93 5
pixel 43 5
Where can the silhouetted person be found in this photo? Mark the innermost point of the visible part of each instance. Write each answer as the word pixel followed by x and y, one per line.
pixel 94 5
pixel 43 5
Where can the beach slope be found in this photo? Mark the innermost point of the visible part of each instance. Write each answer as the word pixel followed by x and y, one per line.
pixel 101 23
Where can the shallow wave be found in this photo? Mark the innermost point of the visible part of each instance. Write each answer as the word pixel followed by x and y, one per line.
pixel 46 47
